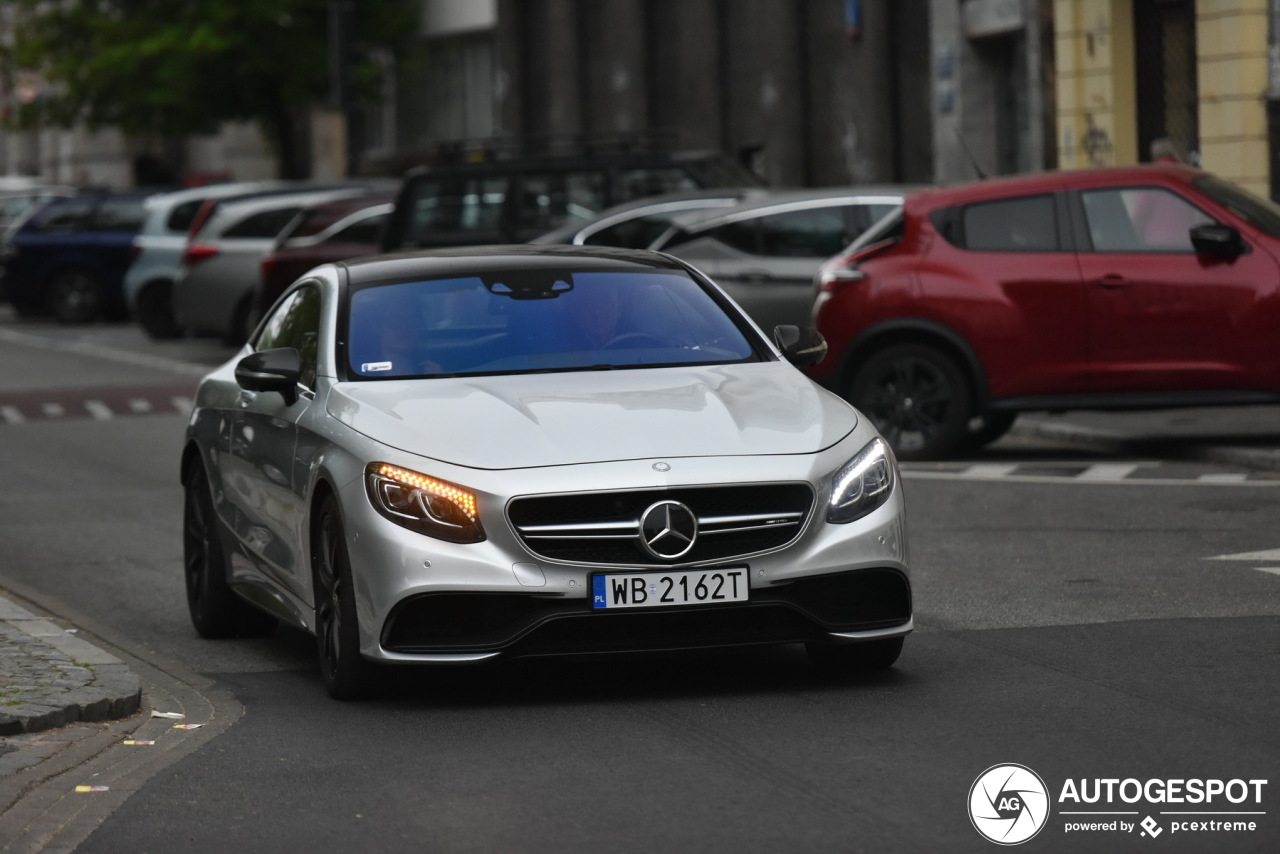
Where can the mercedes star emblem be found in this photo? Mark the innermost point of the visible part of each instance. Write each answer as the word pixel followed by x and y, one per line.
pixel 668 530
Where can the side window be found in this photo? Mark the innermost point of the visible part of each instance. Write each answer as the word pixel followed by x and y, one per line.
pixel 63 216
pixel 263 225
pixel 552 199
pixel 743 235
pixel 1141 219
pixel 448 211
pixel 639 183
pixel 816 233
pixel 368 230
pixel 181 217
pixel 1027 224
pixel 119 215
pixel 635 233
pixel 296 323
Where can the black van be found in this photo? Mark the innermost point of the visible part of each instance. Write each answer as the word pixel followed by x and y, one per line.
pixel 498 196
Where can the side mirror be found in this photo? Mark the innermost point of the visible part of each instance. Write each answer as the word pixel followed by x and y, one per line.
pixel 1217 241
pixel 271 370
pixel 802 346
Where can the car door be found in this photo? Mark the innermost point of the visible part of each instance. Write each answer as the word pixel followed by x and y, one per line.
pixel 1005 278
pixel 1161 316
pixel 270 471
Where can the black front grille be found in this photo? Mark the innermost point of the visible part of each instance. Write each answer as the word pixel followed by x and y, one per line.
pixel 538 624
pixel 604 527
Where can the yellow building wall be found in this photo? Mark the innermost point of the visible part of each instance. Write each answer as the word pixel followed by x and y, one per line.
pixel 1231 47
pixel 1095 87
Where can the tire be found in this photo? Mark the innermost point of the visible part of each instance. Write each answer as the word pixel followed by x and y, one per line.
pixel 917 397
pixel 216 611
pixel 855 657
pixel 346 674
pixel 154 311
pixel 988 427
pixel 75 296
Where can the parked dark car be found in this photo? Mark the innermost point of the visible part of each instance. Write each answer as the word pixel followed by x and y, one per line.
pixel 69 258
pixel 515 199
pixel 321 233
pixel 1125 288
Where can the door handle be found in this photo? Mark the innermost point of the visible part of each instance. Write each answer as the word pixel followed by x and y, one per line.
pixel 1112 281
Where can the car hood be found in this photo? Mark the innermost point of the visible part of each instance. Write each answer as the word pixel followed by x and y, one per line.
pixel 532 420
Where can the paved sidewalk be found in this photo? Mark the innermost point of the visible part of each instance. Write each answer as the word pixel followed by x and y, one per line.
pixel 49 677
pixel 1247 436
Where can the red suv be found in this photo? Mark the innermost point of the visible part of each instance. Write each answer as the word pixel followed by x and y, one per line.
pixel 1128 288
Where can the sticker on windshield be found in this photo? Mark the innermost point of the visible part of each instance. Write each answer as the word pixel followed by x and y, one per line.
pixel 372 367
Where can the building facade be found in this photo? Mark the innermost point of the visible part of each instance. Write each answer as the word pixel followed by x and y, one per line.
pixel 806 92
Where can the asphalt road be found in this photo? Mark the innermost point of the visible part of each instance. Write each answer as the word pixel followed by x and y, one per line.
pixel 1081 627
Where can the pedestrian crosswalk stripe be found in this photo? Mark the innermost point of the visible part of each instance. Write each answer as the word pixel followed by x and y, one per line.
pixel 98 410
pixel 12 415
pixel 53 410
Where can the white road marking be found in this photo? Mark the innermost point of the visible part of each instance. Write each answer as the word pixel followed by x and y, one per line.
pixel 99 410
pixel 1257 557
pixel 11 415
pixel 1224 477
pixel 1107 471
pixel 139 404
pixel 1274 570
pixel 989 470
pixel 53 410
pixel 182 404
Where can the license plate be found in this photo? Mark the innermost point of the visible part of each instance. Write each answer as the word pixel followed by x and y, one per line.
pixel 659 590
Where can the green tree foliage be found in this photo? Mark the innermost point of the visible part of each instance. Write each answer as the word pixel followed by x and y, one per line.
pixel 179 67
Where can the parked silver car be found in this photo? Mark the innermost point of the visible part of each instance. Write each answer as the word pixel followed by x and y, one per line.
pixel 636 224
pixel 766 251
pixel 215 292
pixel 472 454
pixel 159 246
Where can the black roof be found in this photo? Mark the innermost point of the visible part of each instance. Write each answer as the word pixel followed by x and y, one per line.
pixel 472 260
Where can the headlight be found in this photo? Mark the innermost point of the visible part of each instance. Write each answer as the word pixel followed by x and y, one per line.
pixel 862 484
pixel 423 504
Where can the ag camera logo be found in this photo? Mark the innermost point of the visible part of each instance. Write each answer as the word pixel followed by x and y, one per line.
pixel 1008 804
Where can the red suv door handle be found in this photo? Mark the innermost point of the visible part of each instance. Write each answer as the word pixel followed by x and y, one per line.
pixel 1112 281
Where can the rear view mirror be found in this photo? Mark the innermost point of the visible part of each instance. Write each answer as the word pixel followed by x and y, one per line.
pixel 271 370
pixel 1217 241
pixel 802 346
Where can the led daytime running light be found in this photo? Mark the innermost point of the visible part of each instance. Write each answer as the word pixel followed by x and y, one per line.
pixel 465 501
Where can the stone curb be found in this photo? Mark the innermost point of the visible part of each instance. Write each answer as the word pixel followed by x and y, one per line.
pixel 1108 441
pixel 50 677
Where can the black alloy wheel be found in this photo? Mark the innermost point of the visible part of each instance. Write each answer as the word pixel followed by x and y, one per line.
pixel 75 296
pixel 854 657
pixel 917 397
pixel 216 611
pixel 346 674
pixel 154 310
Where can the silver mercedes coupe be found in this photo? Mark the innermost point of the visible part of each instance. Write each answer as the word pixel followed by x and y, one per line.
pixel 467 455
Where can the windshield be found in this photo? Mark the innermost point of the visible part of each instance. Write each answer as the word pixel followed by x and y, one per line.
pixel 526 322
pixel 1261 213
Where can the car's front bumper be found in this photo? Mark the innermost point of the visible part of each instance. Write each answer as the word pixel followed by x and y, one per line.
pixel 423 600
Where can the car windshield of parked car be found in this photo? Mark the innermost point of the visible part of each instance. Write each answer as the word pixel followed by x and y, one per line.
pixel 1260 213
pixel 538 321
